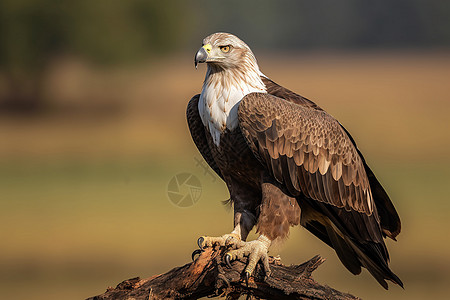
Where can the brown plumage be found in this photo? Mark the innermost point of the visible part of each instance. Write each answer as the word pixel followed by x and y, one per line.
pixel 286 161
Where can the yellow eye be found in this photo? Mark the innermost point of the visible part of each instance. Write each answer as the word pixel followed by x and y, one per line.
pixel 225 49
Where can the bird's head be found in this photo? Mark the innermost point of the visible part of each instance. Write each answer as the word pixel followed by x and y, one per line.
pixel 225 51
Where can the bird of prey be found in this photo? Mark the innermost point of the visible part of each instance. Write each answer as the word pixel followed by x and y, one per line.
pixel 285 162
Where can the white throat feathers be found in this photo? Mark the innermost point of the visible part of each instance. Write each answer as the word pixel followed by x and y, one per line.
pixel 222 91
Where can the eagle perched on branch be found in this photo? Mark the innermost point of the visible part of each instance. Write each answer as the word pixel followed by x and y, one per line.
pixel 285 162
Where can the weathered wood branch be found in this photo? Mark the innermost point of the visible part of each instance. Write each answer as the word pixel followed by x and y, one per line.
pixel 208 276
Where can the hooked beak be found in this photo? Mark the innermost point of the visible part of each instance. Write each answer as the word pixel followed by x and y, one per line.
pixel 202 54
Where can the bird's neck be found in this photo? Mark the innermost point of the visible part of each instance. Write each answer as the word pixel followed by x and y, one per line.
pixel 222 91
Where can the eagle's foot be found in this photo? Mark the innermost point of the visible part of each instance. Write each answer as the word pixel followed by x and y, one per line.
pixel 226 240
pixel 255 250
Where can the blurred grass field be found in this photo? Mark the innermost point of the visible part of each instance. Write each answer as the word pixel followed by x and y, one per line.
pixel 83 201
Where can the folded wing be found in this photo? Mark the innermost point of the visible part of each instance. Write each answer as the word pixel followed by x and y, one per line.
pixel 312 155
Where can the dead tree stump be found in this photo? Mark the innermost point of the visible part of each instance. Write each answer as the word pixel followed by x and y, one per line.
pixel 208 276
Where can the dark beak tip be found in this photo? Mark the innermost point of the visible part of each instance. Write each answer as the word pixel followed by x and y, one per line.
pixel 200 56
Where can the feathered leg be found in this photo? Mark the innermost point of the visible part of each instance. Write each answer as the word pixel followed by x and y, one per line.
pixel 243 223
pixel 277 213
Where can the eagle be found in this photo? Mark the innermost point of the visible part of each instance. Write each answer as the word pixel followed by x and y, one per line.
pixel 285 162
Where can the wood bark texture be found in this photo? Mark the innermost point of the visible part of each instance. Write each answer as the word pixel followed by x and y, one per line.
pixel 208 276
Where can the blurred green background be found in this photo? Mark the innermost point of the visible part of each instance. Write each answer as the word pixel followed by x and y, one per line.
pixel 92 129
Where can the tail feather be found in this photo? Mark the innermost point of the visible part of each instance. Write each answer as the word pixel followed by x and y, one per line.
pixel 353 253
pixel 372 260
pixel 345 253
pixel 369 255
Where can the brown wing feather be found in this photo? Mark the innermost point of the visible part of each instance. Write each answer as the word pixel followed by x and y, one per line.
pixel 389 219
pixel 323 169
pixel 282 92
pixel 311 160
pixel 198 132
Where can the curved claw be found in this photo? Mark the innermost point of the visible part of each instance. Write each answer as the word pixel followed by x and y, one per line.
pixel 247 277
pixel 228 240
pixel 227 260
pixel 200 242
pixel 196 251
